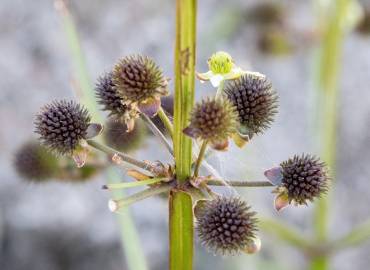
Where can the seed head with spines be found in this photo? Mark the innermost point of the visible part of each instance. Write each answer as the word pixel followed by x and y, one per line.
pixel 137 78
pixel 255 102
pixel 108 97
pixel 213 119
pixel 62 125
pixel 305 177
pixel 226 225
pixel 33 162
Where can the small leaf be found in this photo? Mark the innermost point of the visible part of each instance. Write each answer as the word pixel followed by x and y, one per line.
pixel 94 130
pixel 150 107
pixel 191 132
pixel 274 175
pixel 220 145
pixel 281 201
pixel 240 140
pixel 137 175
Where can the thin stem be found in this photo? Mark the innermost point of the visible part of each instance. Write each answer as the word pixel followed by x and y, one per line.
pixel 124 157
pixel 134 184
pixel 220 89
pixel 139 196
pixel 157 132
pixel 200 157
pixel 166 121
pixel 218 182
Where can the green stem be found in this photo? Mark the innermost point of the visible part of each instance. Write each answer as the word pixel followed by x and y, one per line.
pixel 124 157
pixel 202 151
pixel 157 132
pixel 328 85
pixel 124 185
pixel 166 121
pixel 180 204
pixel 218 182
pixel 139 196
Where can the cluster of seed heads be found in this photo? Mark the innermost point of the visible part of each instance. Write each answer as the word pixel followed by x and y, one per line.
pixel 62 125
pixel 108 97
pixel 255 101
pixel 305 177
pixel 226 225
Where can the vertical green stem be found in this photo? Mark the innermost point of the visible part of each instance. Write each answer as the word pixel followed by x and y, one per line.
pixel 132 249
pixel 181 216
pixel 200 157
pixel 329 67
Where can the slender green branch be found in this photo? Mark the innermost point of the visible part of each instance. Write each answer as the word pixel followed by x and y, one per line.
pixel 202 151
pixel 218 182
pixel 124 157
pixel 134 184
pixel 283 232
pixel 166 121
pixel 157 132
pixel 139 196
pixel 357 236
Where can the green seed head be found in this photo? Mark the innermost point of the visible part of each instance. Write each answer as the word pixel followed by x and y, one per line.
pixel 220 63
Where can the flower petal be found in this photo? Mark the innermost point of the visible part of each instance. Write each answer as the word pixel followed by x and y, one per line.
pixel 204 76
pixel 216 80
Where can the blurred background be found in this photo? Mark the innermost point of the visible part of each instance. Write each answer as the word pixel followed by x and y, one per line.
pixel 314 52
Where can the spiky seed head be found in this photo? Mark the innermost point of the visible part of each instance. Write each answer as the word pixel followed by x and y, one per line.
pixel 305 177
pixel 33 162
pixel 226 225
pixel 213 119
pixel 117 136
pixel 137 78
pixel 255 101
pixel 62 125
pixel 108 97
pixel 220 63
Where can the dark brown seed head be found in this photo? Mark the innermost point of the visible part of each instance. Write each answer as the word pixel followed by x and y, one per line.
pixel 116 135
pixel 213 119
pixel 226 225
pixel 255 102
pixel 33 162
pixel 137 78
pixel 108 97
pixel 62 125
pixel 305 177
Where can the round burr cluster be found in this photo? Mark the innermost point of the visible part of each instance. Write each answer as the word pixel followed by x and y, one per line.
pixel 137 78
pixel 62 125
pixel 108 97
pixel 255 102
pixel 305 177
pixel 213 119
pixel 33 162
pixel 226 225
pixel 116 135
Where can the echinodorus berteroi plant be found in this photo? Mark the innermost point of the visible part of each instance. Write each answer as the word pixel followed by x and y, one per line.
pixel 243 106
